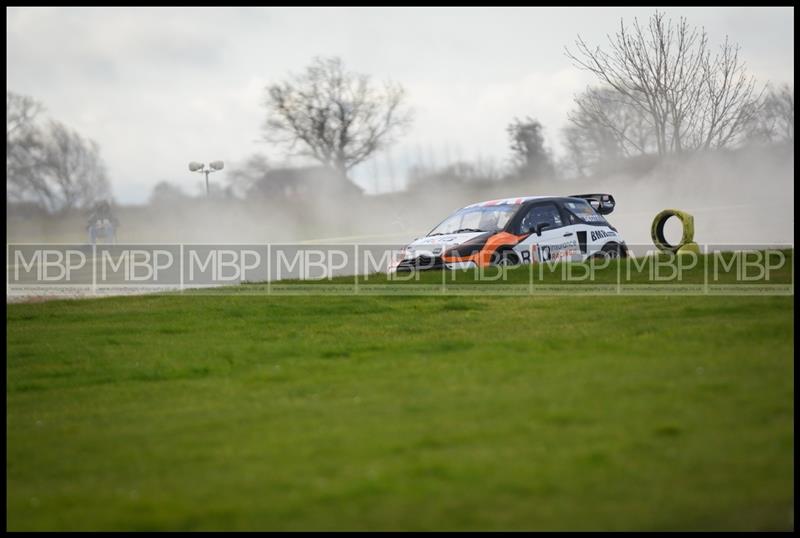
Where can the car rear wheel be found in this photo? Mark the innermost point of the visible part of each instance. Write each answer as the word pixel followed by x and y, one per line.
pixel 611 251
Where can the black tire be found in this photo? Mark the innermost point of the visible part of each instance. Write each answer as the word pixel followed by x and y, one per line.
pixel 505 258
pixel 612 251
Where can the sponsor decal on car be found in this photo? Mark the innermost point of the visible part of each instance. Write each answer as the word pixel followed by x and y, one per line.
pixel 563 246
pixel 600 234
pixel 544 253
pixel 594 218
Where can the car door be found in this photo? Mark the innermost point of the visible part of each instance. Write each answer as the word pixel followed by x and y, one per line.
pixel 591 228
pixel 551 238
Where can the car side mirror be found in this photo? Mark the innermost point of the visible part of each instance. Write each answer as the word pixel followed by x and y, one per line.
pixel 539 227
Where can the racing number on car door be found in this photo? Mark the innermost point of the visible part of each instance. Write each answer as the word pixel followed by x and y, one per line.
pixel 550 237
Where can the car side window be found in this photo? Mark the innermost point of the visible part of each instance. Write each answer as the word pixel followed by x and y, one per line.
pixel 541 214
pixel 572 219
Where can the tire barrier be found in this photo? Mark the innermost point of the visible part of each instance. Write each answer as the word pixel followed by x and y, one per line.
pixel 686 243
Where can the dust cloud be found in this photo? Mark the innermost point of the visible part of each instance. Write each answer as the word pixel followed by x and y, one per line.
pixel 737 197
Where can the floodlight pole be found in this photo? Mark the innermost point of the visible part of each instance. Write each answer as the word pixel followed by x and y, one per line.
pixel 213 166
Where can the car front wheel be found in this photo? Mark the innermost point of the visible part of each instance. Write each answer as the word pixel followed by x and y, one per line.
pixel 505 258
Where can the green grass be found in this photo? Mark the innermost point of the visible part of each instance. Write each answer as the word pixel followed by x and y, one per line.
pixel 199 411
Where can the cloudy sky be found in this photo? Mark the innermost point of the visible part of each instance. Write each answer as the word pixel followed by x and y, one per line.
pixel 159 87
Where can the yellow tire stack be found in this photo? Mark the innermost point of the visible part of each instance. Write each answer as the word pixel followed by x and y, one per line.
pixel 686 244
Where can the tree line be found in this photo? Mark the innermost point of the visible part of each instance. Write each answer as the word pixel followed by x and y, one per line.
pixel 49 164
pixel 661 89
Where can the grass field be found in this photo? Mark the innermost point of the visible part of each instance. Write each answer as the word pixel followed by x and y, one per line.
pixel 204 411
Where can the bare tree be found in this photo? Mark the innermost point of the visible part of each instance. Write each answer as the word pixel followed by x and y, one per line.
pixel 605 127
pixel 21 113
pixel 50 165
pixel 333 115
pixel 691 99
pixel 587 146
pixel 774 119
pixel 781 106
pixel 242 177
pixel 71 169
pixel 727 100
pixel 23 148
pixel 527 147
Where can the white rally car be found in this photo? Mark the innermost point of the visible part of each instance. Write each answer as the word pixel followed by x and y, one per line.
pixel 512 231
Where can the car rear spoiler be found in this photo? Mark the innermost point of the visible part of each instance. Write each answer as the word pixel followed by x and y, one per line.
pixel 602 203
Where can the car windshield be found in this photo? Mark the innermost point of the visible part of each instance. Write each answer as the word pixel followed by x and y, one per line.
pixel 585 212
pixel 476 219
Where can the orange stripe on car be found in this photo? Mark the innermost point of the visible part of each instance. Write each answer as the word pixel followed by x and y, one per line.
pixel 483 257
